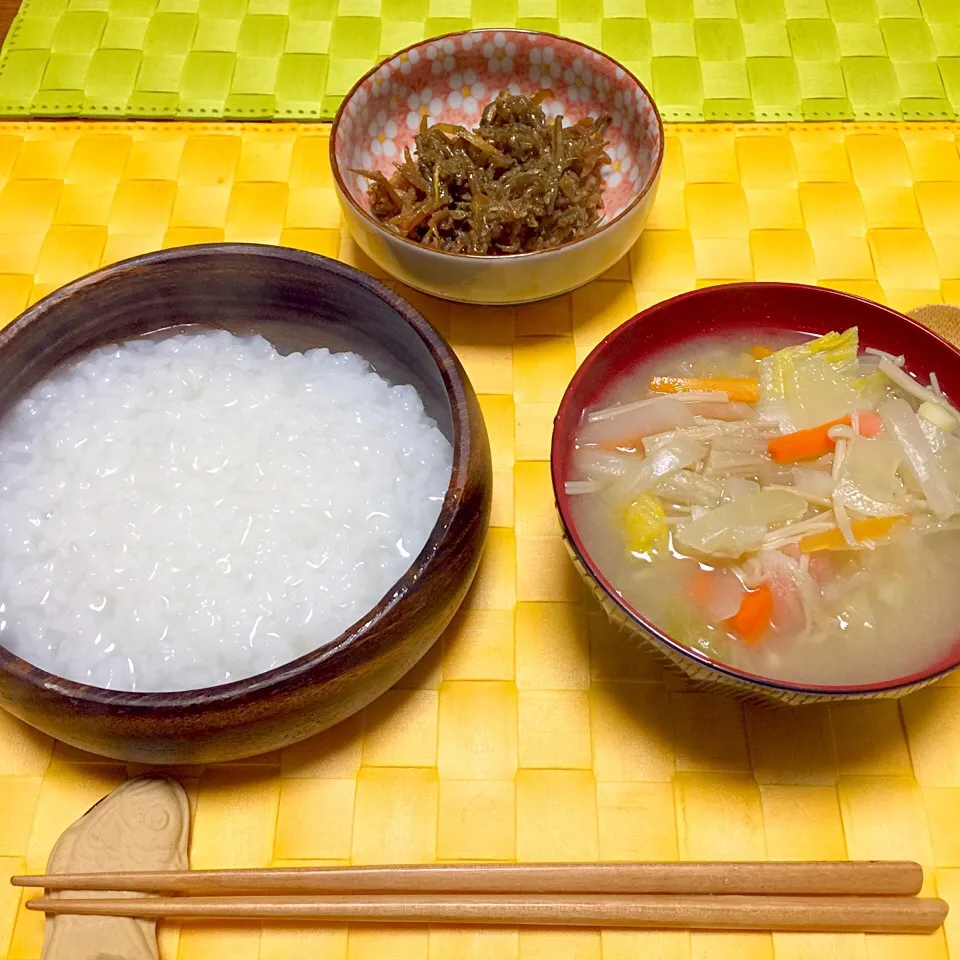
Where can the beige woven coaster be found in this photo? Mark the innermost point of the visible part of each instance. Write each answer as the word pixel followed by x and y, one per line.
pixel 941 318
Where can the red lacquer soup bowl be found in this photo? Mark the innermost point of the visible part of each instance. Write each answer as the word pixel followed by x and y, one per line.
pixel 722 311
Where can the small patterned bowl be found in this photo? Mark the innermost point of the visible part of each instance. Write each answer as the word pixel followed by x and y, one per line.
pixel 451 79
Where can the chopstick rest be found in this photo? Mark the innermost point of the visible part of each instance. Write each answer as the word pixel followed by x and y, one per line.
pixel 142 825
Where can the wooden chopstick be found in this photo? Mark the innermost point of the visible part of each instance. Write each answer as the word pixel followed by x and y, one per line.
pixel 810 914
pixel 863 878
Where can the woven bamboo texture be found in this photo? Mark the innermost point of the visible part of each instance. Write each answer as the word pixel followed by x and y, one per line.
pixel 295 59
pixel 530 732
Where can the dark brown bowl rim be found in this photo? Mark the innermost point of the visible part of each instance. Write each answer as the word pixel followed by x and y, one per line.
pixel 295 673
pixel 498 257
pixel 904 683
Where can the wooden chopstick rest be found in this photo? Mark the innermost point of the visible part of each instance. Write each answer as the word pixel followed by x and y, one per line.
pixel 142 825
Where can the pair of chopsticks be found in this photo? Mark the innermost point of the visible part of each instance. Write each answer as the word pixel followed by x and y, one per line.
pixel 857 897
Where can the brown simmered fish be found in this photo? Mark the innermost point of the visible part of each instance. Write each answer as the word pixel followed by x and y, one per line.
pixel 516 183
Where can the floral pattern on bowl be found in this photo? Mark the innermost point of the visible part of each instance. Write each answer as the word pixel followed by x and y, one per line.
pixel 451 79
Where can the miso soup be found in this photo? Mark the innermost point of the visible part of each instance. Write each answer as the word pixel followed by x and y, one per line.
pixel 789 507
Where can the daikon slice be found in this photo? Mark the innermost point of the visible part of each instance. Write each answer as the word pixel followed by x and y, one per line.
pixel 738 527
pixel 904 426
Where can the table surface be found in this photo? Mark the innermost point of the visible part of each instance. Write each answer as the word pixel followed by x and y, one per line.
pixel 531 732
pixel 714 60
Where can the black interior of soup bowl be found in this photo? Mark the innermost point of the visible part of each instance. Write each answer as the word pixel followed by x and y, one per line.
pixel 296 300
pixel 721 311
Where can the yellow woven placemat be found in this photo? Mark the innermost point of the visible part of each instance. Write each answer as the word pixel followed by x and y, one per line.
pixel 530 732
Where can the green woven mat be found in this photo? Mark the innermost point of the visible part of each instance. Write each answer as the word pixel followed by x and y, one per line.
pixel 703 59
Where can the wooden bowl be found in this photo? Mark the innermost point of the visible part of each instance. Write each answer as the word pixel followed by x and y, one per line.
pixel 728 310
pixel 297 301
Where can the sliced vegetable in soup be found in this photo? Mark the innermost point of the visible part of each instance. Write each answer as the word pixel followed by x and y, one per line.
pixel 790 509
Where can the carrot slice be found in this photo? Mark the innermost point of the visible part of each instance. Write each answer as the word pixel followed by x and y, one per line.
pixel 804 444
pixel 872 528
pixel 752 620
pixel 816 441
pixel 759 351
pixel 741 389
pixel 634 444
pixel 701 587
